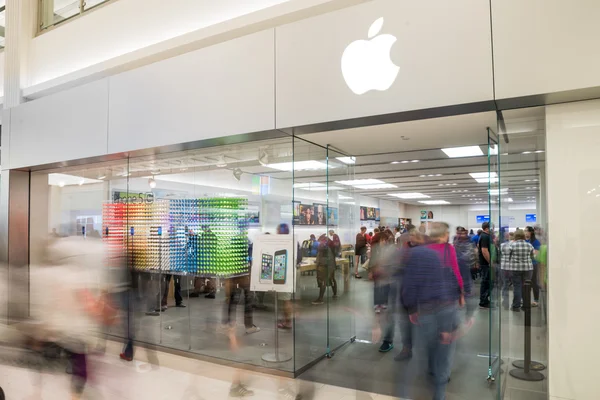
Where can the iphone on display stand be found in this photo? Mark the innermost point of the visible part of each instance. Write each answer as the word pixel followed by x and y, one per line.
pixel 280 267
pixel 266 268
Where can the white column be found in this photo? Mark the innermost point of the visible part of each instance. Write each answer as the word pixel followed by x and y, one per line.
pixel 573 172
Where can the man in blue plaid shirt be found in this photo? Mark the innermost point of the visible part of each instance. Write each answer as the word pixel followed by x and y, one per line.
pixel 520 265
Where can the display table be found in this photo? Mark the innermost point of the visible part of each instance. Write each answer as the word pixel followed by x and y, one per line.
pixel 309 265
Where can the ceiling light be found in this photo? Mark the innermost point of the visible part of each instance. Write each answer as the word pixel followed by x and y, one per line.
pixel 415 161
pixel 410 195
pixel 405 162
pixel 468 151
pixel 343 197
pixel 540 151
pixel 349 202
pixel 81 182
pixel 477 175
pixel 497 192
pixel 307 185
pixel 237 174
pixel 360 182
pixel 61 184
pixel 395 162
pixel 434 202
pixel 422 176
pixel 526 152
pixel 438 174
pixel 102 177
pixel 151 183
pixel 347 160
pixel 376 186
pixel 309 165
pixel 509 199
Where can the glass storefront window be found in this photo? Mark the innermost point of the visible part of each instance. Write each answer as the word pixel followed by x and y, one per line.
pixel 53 12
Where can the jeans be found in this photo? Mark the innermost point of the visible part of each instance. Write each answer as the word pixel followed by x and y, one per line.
pixel 177 288
pixel 430 350
pixel 518 279
pixel 484 296
pixel 381 295
pixel 231 287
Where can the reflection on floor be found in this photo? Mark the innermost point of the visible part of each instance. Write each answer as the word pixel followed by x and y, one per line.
pixel 357 366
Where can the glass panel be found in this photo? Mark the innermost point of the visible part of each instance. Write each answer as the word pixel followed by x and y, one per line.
pixel 310 229
pixel 341 226
pixel 89 4
pixel 493 272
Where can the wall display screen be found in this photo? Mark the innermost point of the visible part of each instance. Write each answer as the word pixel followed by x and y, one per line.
pixel 530 217
pixel 483 218
pixel 377 214
pixel 306 214
pixel 320 214
pixel 332 218
pixel 426 215
pixel 363 213
pixel 371 213
pixel 296 211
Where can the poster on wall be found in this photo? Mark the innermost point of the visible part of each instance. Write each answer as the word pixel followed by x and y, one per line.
pixel 296 211
pixel 320 214
pixel 273 264
pixel 332 218
pixel 377 214
pixel 371 213
pixel 426 215
pixel 306 214
pixel 363 213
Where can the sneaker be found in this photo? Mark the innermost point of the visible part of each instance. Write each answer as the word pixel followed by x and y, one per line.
pixel 405 354
pixel 180 305
pixel 516 309
pixel 386 346
pixel 153 313
pixel 357 276
pixel 335 297
pixel 317 302
pixel 240 391
pixel 252 329
pixel 535 304
pixel 125 357
pixel 194 294
pixel 210 296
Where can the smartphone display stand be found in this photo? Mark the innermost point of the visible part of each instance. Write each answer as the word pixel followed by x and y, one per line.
pixel 277 356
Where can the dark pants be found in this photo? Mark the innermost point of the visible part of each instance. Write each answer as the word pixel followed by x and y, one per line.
pixel 484 296
pixel 518 279
pixel 535 284
pixel 177 287
pixel 325 277
pixel 232 286
pixel 397 311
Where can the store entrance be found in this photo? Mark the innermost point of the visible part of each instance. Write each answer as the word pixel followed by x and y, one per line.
pixel 471 171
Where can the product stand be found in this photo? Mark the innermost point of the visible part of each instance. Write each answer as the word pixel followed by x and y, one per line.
pixel 277 356
pixel 527 370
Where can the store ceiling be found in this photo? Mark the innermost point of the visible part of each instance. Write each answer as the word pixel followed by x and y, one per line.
pixel 380 152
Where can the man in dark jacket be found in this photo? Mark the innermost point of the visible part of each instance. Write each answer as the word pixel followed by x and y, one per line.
pixel 325 268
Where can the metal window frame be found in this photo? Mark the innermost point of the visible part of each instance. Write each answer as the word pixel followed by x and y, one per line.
pixel 82 12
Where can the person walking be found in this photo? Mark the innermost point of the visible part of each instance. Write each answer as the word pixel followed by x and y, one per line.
pixel 431 292
pixel 325 268
pixel 467 260
pixel 360 250
pixel 535 278
pixel 520 263
pixel 483 249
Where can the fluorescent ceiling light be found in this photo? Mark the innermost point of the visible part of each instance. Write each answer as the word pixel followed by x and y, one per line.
pixel 343 197
pixel 410 195
pixel 63 180
pixel 323 188
pixel 497 192
pixel 307 185
pixel 376 186
pixel 477 175
pixel 349 202
pixel 434 202
pixel 468 151
pixel 360 182
pixel 299 166
pixel 347 160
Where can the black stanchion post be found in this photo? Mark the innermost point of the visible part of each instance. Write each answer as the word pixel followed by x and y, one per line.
pixel 526 369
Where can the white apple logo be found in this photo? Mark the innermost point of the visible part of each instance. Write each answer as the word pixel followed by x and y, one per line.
pixel 366 64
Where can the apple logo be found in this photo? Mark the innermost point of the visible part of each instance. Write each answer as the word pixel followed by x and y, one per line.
pixel 366 64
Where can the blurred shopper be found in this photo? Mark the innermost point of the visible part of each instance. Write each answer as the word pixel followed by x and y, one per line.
pixel 360 250
pixel 397 234
pixel 483 249
pixel 325 268
pixel 337 243
pixel 286 322
pixel 467 261
pixel 535 278
pixel 176 289
pixel 431 292
pixel 520 263
pixel 475 238
pixel 505 268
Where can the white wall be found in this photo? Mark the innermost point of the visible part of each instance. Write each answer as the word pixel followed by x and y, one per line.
pixel 545 46
pixel 124 27
pixel 573 176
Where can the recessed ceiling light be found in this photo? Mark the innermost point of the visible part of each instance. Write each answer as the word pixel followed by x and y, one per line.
pixel 540 151
pixel 299 166
pixel 434 202
pixel 405 162
pixel 395 162
pixel 438 174
pixel 410 195
pixel 347 160
pixel 343 197
pixel 526 152
pixel 422 176
pixel 497 192
pixel 376 186
pixel 307 185
pixel 468 151
pixel 477 175
pixel 360 182
pixel 415 161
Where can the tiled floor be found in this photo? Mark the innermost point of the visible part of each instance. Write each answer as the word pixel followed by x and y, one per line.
pixel 175 378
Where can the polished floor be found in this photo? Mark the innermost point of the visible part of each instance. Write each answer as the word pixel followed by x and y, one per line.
pixel 355 366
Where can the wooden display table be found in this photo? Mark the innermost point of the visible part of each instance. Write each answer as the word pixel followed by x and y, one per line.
pixel 309 265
